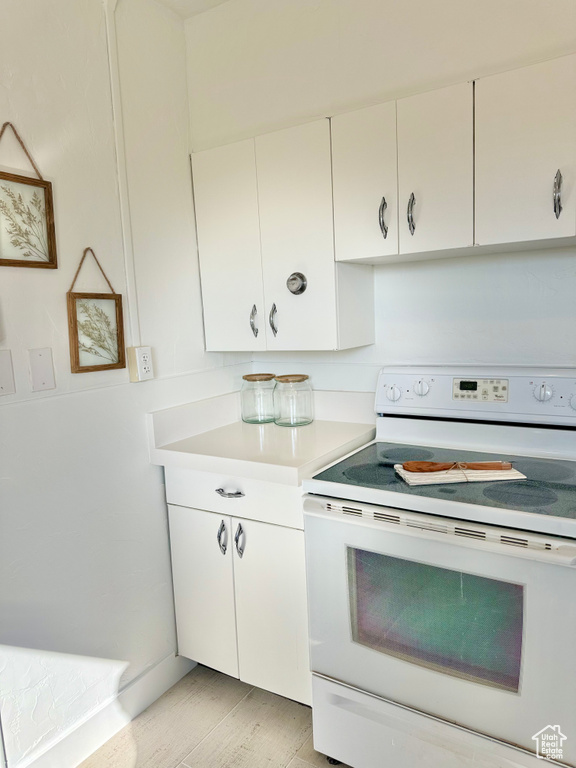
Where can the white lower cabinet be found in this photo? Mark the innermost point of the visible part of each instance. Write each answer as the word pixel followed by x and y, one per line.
pixel 271 609
pixel 240 596
pixel 203 588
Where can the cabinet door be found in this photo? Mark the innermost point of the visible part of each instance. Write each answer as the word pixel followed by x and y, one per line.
pixel 272 619
pixel 295 197
pixel 435 165
pixel 364 165
pixel 204 587
pixel 226 203
pixel 525 133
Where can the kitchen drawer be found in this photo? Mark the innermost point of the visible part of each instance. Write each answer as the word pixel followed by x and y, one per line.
pixel 268 502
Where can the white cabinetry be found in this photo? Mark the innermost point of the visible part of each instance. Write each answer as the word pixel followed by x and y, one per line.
pixel 364 163
pixel 203 588
pixel 271 609
pixel 435 170
pixel 525 133
pixel 240 592
pixel 264 212
pixel 404 177
pixel 226 203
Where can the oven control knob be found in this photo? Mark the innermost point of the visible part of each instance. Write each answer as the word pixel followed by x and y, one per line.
pixel 393 393
pixel 421 387
pixel 573 402
pixel 543 392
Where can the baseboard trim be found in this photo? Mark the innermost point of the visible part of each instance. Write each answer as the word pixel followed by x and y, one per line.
pixel 86 737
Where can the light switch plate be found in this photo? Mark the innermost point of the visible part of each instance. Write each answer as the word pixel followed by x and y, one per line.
pixel 7 386
pixel 41 369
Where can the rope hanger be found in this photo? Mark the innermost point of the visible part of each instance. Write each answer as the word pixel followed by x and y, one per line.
pixel 28 155
pixel 86 252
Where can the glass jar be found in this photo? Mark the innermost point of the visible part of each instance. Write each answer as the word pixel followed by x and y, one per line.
pixel 257 398
pixel 293 401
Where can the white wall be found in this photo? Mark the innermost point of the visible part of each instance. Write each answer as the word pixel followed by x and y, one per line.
pixel 512 309
pixel 84 560
pixel 152 62
pixel 256 65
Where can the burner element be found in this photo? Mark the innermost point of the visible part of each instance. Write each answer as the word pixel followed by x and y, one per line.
pixel 371 474
pixel 546 472
pixel 400 455
pixel 521 494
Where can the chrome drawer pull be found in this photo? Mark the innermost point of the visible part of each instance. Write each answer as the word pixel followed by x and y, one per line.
pixel 222 544
pixel 557 194
pixel 410 214
pixel 252 319
pixel 381 211
pixel 229 494
pixel 239 533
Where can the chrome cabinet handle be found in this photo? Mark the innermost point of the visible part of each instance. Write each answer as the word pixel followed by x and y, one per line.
pixel 222 542
pixel 272 319
pixel 410 214
pixel 557 195
pixel 253 315
pixel 381 210
pixel 239 533
pixel 229 495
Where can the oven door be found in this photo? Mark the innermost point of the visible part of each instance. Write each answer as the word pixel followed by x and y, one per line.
pixel 469 623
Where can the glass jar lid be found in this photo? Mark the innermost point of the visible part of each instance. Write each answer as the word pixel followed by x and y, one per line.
pixel 258 377
pixel 292 378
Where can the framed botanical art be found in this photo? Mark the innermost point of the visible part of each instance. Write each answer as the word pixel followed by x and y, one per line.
pixel 96 328
pixel 27 236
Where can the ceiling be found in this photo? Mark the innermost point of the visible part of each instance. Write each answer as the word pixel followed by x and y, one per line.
pixel 187 8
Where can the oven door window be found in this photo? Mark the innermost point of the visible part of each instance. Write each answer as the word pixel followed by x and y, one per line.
pixel 453 622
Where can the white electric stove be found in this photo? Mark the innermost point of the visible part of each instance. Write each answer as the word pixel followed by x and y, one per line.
pixel 443 617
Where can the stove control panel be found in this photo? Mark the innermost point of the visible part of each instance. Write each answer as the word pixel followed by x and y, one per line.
pixel 522 395
pixel 484 390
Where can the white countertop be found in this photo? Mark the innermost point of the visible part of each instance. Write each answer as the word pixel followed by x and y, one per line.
pixel 266 451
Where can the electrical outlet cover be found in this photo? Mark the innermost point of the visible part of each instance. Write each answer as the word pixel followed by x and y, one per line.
pixel 140 363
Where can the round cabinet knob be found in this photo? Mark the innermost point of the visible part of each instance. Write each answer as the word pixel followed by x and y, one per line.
pixel 421 387
pixel 393 393
pixel 297 283
pixel 543 392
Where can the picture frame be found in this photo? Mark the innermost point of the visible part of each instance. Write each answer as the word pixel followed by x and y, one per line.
pixel 27 233
pixel 96 331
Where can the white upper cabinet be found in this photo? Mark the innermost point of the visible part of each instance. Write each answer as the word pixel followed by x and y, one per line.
pixel 525 134
pixel 226 204
pixel 485 164
pixel 266 242
pixel 295 193
pixel 365 178
pixel 436 170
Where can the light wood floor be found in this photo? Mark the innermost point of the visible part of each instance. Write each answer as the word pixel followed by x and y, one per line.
pixel 210 720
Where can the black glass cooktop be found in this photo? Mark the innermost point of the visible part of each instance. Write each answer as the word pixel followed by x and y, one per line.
pixel 550 487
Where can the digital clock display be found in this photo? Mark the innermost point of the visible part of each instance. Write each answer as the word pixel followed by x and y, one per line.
pixel 468 386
